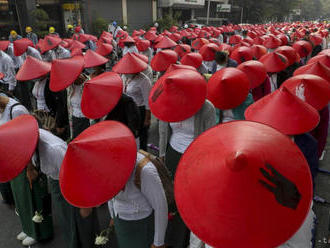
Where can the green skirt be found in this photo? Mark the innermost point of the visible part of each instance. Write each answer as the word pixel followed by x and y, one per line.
pixel 78 232
pixel 28 201
pixel 135 233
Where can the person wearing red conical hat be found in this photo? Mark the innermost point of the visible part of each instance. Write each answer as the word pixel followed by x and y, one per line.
pixel 208 52
pixel 315 91
pixel 163 59
pixel 148 71
pixel 195 60
pixel 181 121
pixel 21 45
pixel 317 68
pixel 228 90
pixel 129 45
pixel 242 54
pixel 274 63
pixel 165 43
pixel 182 49
pixel 118 166
pixel 323 58
pixel 303 48
pixel 62 53
pixel 222 61
pixel 250 166
pixel 259 80
pixel 19 138
pixel 290 115
pixel 137 86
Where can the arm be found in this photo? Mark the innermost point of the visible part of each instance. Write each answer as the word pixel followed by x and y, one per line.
pixel 9 71
pixel 152 189
pixel 145 87
pixel 163 135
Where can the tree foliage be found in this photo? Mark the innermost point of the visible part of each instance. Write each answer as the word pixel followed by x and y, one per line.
pixel 99 25
pixel 40 22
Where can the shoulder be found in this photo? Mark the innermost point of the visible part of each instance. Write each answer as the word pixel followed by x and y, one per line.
pixel 51 142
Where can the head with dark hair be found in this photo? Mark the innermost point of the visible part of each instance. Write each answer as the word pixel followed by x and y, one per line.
pixel 221 57
pixel 245 32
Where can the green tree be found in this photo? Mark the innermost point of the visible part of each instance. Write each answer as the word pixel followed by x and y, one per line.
pixel 40 22
pixel 99 25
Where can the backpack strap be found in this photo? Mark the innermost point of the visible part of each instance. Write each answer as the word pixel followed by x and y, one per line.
pixel 11 109
pixel 138 170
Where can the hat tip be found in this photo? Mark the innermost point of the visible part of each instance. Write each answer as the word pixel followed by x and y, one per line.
pixel 237 161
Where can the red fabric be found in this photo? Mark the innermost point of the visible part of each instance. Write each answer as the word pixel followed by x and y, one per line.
pixel 32 69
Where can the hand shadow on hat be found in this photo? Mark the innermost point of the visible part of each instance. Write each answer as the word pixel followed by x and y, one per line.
pixel 285 191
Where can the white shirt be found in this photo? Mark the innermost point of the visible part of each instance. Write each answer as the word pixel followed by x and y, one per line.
pixel 52 150
pixel 135 204
pixel 49 56
pixel 75 101
pixel 209 65
pixel 131 49
pixel 148 53
pixel 15 111
pixel 62 53
pixel 138 88
pixel 7 67
pixel 149 73
pixel 273 82
pixel 33 53
pixel 38 92
pixel 182 134
pixel 18 60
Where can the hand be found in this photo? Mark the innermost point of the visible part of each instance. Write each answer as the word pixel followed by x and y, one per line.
pixel 60 130
pixel 31 174
pixel 285 191
pixel 85 212
pixel 111 223
pixel 153 246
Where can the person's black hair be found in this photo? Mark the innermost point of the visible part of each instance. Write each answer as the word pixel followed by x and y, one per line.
pixel 245 32
pixel 221 57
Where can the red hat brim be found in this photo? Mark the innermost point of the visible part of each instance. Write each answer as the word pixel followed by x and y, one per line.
pixel 101 94
pixel 182 49
pixel 166 42
pixel 104 49
pixel 174 67
pixel 142 57
pixel 255 71
pixel 316 68
pixel 310 88
pixel 323 58
pixel 97 164
pixel 218 190
pixel 93 59
pixel 242 54
pixel 19 139
pixel 130 64
pixel 178 95
pixel 4 45
pixel 163 59
pixel 303 48
pixel 64 72
pixel 32 69
pixel 228 88
pixel 285 112
pixel 289 53
pixel 208 51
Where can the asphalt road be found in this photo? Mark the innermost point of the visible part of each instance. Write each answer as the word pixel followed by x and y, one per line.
pixel 10 226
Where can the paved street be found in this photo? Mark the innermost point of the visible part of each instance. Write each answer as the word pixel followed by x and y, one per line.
pixel 10 226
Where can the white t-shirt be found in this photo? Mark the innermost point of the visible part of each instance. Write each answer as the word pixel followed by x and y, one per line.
pixel 15 111
pixel 182 134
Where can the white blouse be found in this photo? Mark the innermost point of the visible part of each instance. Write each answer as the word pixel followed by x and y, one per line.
pixel 135 204
pixel 38 92
pixel 138 88
pixel 75 101
pixel 182 134
pixel 15 111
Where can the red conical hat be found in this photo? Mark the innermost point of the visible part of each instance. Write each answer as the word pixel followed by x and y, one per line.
pixel 32 69
pixel 192 59
pixel 228 88
pixel 182 49
pixel 317 68
pixel 97 164
pixel 64 72
pixel 150 35
pixel 208 51
pixel 130 64
pixel 4 45
pixel 285 112
pixel 255 71
pixel 199 43
pixel 259 51
pixel 101 94
pixel 174 67
pixel 289 53
pixel 258 40
pixel 175 37
pixel 242 54
pixel 77 44
pixel 128 39
pixel 272 42
pixel 104 49
pixel 303 48
pixel 76 52
pixel 21 45
pixel 93 59
pixel 274 62
pixel 163 59
pixel 2 75
pixel 323 58
pixel 219 191
pixel 50 42
pixel 234 39
pixel 316 39
pixel 142 57
pixel 178 95
pixel 19 139
pixel 165 42
pixel 326 51
pixel 142 45
pixel 310 88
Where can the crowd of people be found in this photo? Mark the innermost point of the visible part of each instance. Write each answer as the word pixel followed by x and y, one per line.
pixel 242 114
